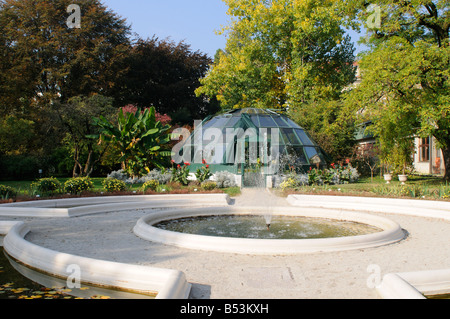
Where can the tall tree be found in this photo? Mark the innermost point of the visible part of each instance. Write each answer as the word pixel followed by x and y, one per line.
pixel 281 53
pixel 165 74
pixel 406 71
pixel 45 58
pixel 76 120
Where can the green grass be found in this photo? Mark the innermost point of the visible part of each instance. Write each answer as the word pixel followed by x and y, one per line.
pixel 26 191
pixel 420 187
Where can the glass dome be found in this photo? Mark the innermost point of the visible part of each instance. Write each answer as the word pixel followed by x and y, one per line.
pixel 246 138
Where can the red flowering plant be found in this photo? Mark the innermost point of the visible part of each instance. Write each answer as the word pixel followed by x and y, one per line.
pixel 180 173
pixel 203 173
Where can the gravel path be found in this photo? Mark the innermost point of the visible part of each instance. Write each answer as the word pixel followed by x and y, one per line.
pixel 332 275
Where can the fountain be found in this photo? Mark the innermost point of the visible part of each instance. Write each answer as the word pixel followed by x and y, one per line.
pixel 234 229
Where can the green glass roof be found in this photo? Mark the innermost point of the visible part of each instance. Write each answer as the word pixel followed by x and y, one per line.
pixel 291 139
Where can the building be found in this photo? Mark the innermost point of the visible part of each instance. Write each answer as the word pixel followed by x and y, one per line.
pixel 428 159
pixel 251 143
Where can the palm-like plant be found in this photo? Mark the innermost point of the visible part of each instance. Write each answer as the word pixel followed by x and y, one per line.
pixel 139 138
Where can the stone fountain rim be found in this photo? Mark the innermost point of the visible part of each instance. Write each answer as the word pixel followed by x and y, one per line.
pixel 390 233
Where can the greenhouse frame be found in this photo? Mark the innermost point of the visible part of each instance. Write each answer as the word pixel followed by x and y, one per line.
pixel 251 143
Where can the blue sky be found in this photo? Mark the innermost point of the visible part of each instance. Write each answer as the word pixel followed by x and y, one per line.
pixel 194 21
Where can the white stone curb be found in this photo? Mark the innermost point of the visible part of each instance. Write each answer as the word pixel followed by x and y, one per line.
pixel 66 208
pixel 420 208
pixel 415 285
pixel 168 284
pixel 412 285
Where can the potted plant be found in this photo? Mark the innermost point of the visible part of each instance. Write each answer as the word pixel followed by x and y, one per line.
pixel 403 178
pixel 387 171
pixel 403 157
pixel 388 178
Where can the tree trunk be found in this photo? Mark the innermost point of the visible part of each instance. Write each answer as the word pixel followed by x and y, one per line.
pixel 446 152
pixel 88 167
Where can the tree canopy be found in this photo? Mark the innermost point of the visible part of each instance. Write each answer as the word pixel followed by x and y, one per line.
pixel 405 89
pixel 52 64
pixel 165 74
pixel 45 60
pixel 279 54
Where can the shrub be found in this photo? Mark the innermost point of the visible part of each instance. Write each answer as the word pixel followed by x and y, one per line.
pixel 225 179
pixel 163 177
pixel 209 186
pixel 47 185
pixel 120 175
pixel 78 185
pixel 290 183
pixel 114 185
pixel 203 173
pixel 150 185
pixel 180 174
pixel 7 192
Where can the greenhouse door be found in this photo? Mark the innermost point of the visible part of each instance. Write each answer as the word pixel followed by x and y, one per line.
pixel 252 173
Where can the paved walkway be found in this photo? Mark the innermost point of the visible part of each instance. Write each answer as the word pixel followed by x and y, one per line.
pixel 216 275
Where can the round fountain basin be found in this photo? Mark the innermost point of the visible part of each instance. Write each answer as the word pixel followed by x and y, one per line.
pixel 256 227
pixel 243 230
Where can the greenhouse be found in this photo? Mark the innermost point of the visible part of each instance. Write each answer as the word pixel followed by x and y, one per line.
pixel 251 143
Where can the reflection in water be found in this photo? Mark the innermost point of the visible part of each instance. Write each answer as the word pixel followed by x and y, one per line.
pixel 17 278
pixel 254 227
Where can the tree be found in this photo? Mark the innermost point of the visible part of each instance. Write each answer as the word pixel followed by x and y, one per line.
pixel 279 54
pixel 331 124
pixel 44 60
pixel 405 89
pixel 165 74
pixel 75 119
pixel 139 138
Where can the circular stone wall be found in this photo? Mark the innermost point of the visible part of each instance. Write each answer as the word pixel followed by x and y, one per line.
pixel 390 232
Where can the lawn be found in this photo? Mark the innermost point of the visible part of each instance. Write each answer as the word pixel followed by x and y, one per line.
pixel 420 187
pixel 417 186
pixel 26 191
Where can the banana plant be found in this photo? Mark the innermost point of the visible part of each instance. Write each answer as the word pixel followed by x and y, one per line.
pixel 140 139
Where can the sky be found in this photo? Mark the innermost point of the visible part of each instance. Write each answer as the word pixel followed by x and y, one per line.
pixel 193 21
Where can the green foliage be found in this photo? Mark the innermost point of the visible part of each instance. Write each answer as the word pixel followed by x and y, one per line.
pixel 158 71
pixel 40 54
pixel 405 89
pixel 75 120
pixel 78 185
pixel 335 175
pixel 47 186
pixel 139 138
pixel 180 174
pixel 150 185
pixel 114 185
pixel 331 124
pixel 209 186
pixel 203 173
pixel 16 135
pixel 7 192
pixel 280 53
pixel 290 183
pixel 414 191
